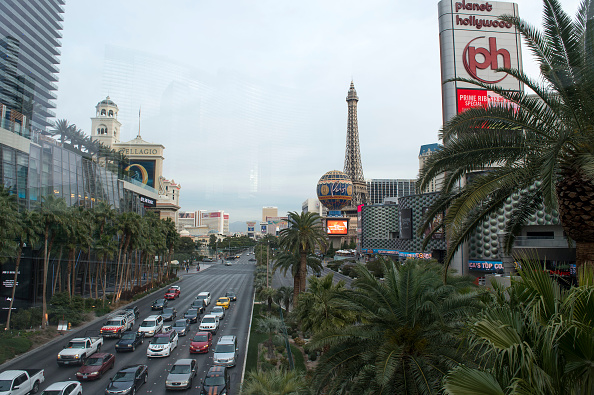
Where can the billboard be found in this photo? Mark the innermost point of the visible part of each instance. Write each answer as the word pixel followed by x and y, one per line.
pixel 436 222
pixel 185 215
pixel 142 171
pixel 147 201
pixel 474 43
pixel 251 225
pixel 337 227
pixel 216 214
pixel 406 223
pixel 226 216
pixel 469 98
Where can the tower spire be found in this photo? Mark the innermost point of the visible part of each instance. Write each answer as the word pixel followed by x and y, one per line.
pixel 352 159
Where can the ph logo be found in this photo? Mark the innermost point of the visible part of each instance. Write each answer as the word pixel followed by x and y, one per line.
pixel 490 58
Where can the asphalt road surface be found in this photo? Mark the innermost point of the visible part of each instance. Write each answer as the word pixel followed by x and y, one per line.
pixel 216 279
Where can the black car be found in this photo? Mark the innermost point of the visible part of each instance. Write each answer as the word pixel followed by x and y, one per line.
pixel 182 326
pixel 129 341
pixel 169 314
pixel 192 315
pixel 159 304
pixel 128 380
pixel 216 381
pixel 198 304
pixel 135 310
pixel 231 295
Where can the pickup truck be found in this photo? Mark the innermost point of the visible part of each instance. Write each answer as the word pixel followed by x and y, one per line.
pixel 79 349
pixel 116 326
pixel 20 382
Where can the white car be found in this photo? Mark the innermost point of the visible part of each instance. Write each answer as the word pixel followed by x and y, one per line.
pixel 176 287
pixel 219 311
pixel 64 388
pixel 162 345
pixel 151 325
pixel 209 323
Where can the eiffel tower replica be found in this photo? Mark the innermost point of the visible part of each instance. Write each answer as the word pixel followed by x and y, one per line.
pixel 352 157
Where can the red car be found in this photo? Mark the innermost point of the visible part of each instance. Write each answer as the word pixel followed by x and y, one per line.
pixel 201 343
pixel 172 293
pixel 95 366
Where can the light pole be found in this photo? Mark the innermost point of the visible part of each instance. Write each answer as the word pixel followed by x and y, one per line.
pixel 267 257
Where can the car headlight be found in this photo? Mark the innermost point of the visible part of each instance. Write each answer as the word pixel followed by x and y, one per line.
pixel 93 374
pixel 59 356
pixel 151 332
pixel 185 382
pixel 76 356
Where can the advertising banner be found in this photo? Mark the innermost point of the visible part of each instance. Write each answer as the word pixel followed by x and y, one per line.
pixel 251 225
pixel 469 98
pixel 226 216
pixel 486 266
pixel 142 171
pixel 211 215
pixel 337 226
pixel 264 228
pixel 415 255
pixel 406 224
pixel 147 201
pixel 185 215
pixel 436 222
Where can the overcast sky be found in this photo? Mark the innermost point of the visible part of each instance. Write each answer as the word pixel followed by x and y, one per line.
pixel 248 97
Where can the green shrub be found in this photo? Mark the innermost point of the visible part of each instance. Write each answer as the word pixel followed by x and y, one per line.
pixel 376 267
pixel 26 319
pixel 312 356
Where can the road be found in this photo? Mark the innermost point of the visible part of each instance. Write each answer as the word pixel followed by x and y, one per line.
pixel 285 280
pixel 216 279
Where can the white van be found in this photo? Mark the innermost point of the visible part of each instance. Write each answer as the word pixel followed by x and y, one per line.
pixel 204 296
pixel 225 352
pixel 151 325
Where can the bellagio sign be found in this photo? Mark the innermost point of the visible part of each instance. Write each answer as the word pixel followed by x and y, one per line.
pixel 474 43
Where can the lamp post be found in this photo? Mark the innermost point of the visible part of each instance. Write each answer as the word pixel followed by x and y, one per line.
pixel 267 264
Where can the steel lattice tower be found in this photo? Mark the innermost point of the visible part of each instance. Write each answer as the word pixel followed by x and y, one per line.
pixel 352 158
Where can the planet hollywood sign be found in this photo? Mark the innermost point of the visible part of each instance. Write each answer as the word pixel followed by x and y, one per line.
pixel 476 22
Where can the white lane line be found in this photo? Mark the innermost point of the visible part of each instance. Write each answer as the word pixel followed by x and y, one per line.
pixel 248 338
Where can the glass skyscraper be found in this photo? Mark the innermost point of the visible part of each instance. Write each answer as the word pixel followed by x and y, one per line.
pixel 30 33
pixel 380 189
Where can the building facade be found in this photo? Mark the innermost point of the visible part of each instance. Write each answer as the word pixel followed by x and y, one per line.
pixel 30 33
pixel 269 211
pixel 382 189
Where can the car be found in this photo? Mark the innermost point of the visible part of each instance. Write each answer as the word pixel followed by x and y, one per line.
pixel 207 260
pixel 204 296
pixel 127 380
pixel 162 344
pixel 192 315
pixel 181 374
pixel 209 323
pixel 175 287
pixel 252 259
pixel 151 325
pixel 159 304
pixel 227 263
pixel 172 293
pixel 219 311
pixel 63 388
pixel 135 310
pixel 224 301
pixel 169 314
pixel 198 304
pixel 201 343
pixel 216 381
pixel 129 341
pixel 95 366
pixel 182 326
pixel 225 352
pixel 231 295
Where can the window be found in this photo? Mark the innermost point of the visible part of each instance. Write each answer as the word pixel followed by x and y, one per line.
pixel 103 112
pixel 111 113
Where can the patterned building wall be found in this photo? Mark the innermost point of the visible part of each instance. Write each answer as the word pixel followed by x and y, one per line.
pixel 417 203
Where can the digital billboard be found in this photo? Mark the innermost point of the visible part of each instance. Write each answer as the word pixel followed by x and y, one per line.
pixel 406 223
pixel 337 227
pixel 436 222
pixel 469 98
pixel 211 215
pixel 142 171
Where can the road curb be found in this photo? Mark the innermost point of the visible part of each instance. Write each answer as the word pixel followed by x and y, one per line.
pixel 72 334
pixel 248 338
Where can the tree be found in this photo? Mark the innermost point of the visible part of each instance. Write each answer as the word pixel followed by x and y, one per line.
pixel 8 224
pixel 536 338
pixel 271 326
pixel 303 236
pixel 51 215
pixel 274 382
pixel 290 262
pixel 27 230
pixel 407 336
pixel 322 307
pixel 541 147
pixel 284 297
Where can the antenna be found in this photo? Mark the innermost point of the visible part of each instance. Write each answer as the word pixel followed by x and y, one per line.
pixel 139 108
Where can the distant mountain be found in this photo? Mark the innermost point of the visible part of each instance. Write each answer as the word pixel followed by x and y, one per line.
pixel 238 226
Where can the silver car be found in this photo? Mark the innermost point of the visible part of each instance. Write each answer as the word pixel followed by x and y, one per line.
pixel 181 374
pixel 218 311
pixel 182 326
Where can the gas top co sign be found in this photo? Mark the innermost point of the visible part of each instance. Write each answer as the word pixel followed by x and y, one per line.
pixel 474 44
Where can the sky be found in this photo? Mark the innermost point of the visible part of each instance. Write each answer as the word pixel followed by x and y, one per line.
pixel 248 97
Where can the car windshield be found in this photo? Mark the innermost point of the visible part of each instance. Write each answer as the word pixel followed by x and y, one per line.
pixel 199 297
pixel 208 320
pixel 223 300
pixel 200 338
pixel 217 380
pixel 94 362
pixel 148 323
pixel 50 392
pixel 5 385
pixel 124 376
pixel 181 369
pixel 230 294
pixel 160 340
pixel 179 324
pixel 113 323
pixel 128 336
pixel 168 310
pixel 192 312
pixel 224 348
pixel 218 309
pixel 76 345
pixel 159 301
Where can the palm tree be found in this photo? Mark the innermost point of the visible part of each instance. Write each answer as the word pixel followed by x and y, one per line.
pixel 51 214
pixel 274 382
pixel 8 224
pixel 284 297
pixel 27 231
pixel 270 325
pixel 291 261
pixel 303 236
pixel 537 338
pixel 542 147
pixel 321 307
pixel 407 337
